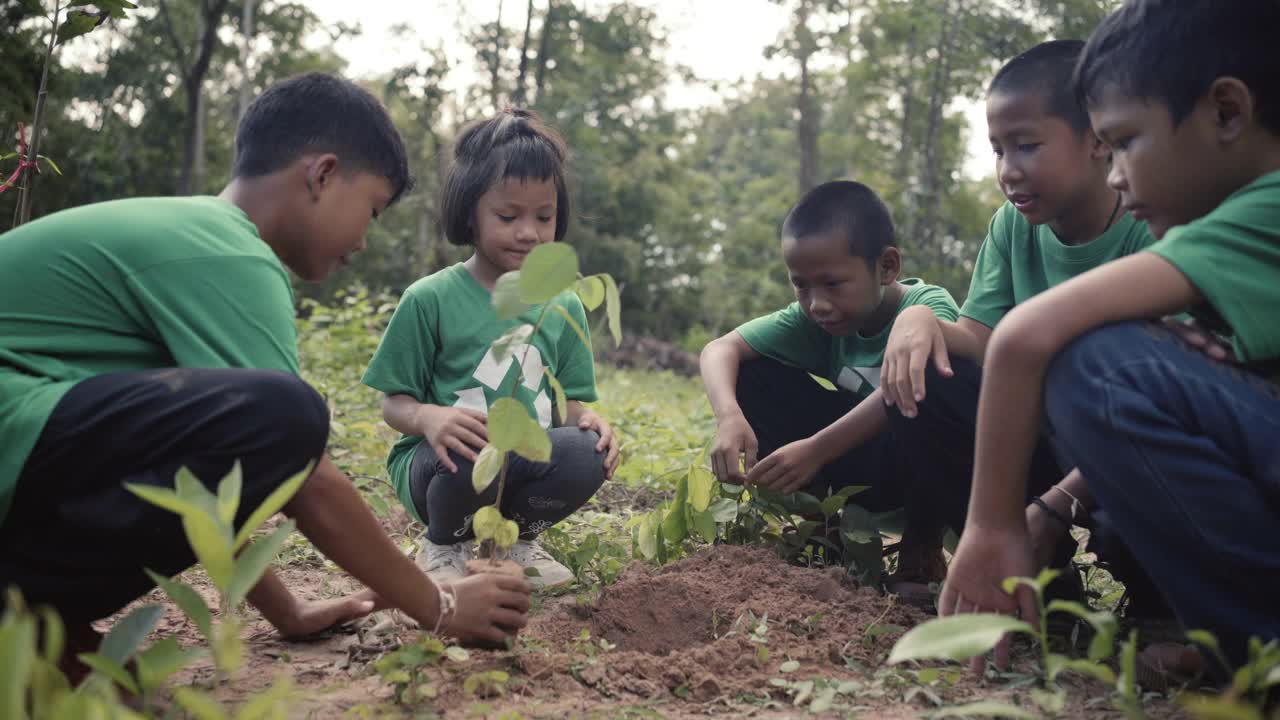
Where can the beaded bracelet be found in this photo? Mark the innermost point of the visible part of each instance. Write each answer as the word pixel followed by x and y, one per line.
pixel 1051 512
pixel 448 604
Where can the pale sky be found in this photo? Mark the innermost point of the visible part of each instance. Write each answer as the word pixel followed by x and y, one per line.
pixel 720 40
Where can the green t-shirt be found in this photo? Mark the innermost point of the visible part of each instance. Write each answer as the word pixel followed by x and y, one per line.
pixel 437 350
pixel 1019 260
pixel 851 362
pixel 1232 256
pixel 131 285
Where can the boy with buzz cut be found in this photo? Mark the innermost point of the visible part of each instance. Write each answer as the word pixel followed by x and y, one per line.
pixel 1178 448
pixel 787 430
pixel 1060 219
pixel 141 336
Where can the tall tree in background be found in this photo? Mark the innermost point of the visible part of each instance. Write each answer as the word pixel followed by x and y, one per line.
pixel 193 58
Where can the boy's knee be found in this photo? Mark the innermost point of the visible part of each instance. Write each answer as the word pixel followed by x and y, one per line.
pixel 1076 373
pixel 287 405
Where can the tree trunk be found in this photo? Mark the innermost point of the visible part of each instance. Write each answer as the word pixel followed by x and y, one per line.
pixel 518 95
pixel 544 51
pixel 939 95
pixel 193 71
pixel 246 82
pixel 807 129
pixel 495 63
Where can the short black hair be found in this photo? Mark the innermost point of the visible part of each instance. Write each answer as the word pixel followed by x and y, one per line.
pixel 317 112
pixel 1047 70
pixel 846 207
pixel 1171 51
pixel 513 144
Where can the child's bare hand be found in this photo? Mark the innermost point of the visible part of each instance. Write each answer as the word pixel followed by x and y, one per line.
pixel 450 428
pixel 975 579
pixel 588 420
pixel 1193 334
pixel 490 607
pixel 735 442
pixel 787 469
pixel 915 340
pixel 312 616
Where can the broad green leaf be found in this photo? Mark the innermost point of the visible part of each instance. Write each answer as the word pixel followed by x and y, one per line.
pixel 724 510
pixel 55 634
pixel 1205 639
pixel 648 537
pixel 701 485
pixel 564 313
pixel 1102 646
pixel 789 666
pixel 958 637
pixel 704 523
pixel 125 636
pixel 17 657
pixel 253 562
pixel 229 495
pixel 507 535
pixel 485 471
pixel 1037 584
pixel 486 522
pixel 832 505
pixel 272 505
pixel 200 705
pixel 590 291
pixel 983 708
pixel 1214 707
pixel 189 488
pixel 1127 682
pixel 211 542
pixel 186 598
pixel 158 662
pixel 613 308
pixel 562 403
pixel 1090 669
pixel 550 269
pixel 510 340
pixel 511 429
pixel 673 527
pixel 163 497
pixel 75 24
pixel 506 296
pixel 111 669
pixel 457 654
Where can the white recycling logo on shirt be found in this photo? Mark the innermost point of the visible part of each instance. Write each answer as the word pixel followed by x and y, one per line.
pixel 491 373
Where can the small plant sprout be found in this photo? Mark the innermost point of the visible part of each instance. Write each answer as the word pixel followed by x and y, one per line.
pixel 549 270
pixel 960 637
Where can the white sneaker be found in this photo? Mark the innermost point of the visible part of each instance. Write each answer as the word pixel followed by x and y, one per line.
pixel 529 554
pixel 444 563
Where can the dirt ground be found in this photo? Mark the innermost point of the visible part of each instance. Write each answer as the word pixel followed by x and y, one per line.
pixel 683 641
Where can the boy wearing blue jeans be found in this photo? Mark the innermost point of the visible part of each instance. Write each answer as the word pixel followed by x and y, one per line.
pixel 1178 448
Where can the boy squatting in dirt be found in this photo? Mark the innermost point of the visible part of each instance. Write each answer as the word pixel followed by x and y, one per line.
pixel 839 248
pixel 144 335
pixel 1179 448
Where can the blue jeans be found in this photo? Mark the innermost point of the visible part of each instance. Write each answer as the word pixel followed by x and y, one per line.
pixel 1183 453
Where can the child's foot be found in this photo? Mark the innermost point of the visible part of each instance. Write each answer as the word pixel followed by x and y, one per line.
pixel 529 554
pixel 1164 666
pixel 444 563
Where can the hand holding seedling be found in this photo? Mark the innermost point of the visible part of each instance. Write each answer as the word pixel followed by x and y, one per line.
pixel 734 441
pixel 789 468
pixel 1195 335
pixel 915 340
pixel 452 428
pixel 588 420
pixel 490 608
pixel 976 578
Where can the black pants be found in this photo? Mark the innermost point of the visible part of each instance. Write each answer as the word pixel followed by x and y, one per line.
pixel 783 404
pixel 77 540
pixel 537 495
